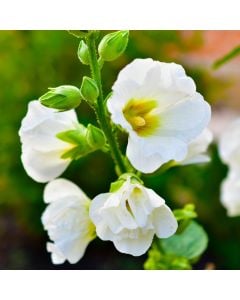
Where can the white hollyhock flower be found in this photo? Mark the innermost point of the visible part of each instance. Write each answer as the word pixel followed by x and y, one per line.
pixel 157 104
pixel 131 216
pixel 41 149
pixel 197 149
pixel 67 221
pixel 230 193
pixel 229 144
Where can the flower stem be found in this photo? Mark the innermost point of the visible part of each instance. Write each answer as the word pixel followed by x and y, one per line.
pixel 103 118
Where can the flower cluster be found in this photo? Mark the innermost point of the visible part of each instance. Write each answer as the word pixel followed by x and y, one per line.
pixel 229 150
pixel 166 120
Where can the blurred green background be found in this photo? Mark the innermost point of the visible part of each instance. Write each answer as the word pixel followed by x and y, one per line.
pixel 32 61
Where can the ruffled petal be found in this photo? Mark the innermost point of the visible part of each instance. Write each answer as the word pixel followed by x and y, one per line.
pixel 147 155
pixel 136 71
pixel 135 246
pixel 61 188
pixel 197 149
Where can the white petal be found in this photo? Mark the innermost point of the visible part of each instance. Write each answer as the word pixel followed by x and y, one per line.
pixel 68 224
pixel 186 119
pixel 198 159
pixel 198 147
pixel 73 249
pixel 40 126
pixel 96 204
pixel 62 188
pixel 43 167
pixel 229 145
pixel 43 136
pixel 38 113
pixel 164 222
pixel 135 246
pixel 167 83
pixel 136 71
pixel 154 198
pixel 56 255
pixel 230 193
pixel 147 155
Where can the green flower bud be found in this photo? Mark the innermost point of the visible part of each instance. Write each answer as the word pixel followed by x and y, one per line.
pixel 113 45
pixel 83 53
pixel 64 97
pixel 95 137
pixel 89 90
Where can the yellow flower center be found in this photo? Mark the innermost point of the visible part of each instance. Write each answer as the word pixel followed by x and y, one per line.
pixel 142 115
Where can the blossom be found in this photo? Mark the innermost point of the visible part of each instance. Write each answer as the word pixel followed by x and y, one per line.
pixel 230 193
pixel 157 104
pixel 130 216
pixel 67 221
pixel 197 149
pixel 229 145
pixel 41 149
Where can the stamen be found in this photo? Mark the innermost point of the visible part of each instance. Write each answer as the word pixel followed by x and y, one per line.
pixel 138 121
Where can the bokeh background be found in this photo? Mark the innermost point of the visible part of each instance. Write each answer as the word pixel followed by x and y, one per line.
pixel 32 61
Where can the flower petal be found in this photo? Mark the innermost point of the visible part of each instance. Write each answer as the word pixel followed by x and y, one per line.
pixel 135 246
pixel 57 257
pixel 62 188
pixel 186 119
pixel 136 71
pixel 43 167
pixel 164 222
pixel 40 126
pixel 230 191
pixel 147 155
pixel 229 144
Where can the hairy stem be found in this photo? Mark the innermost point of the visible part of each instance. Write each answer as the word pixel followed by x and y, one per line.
pixel 103 118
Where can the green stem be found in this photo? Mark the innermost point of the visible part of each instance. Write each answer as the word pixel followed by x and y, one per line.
pixel 100 108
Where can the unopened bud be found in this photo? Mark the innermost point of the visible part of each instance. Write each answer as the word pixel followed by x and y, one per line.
pixel 83 53
pixel 64 97
pixel 95 137
pixel 113 45
pixel 89 90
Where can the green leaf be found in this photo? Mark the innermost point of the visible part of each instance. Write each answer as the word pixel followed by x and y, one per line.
pixel 191 243
pixel 76 152
pixel 116 185
pixel 75 137
pixel 159 261
pixel 226 58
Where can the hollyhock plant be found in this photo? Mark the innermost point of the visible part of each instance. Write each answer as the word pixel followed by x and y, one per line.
pixel 157 104
pixel 41 149
pixel 67 221
pixel 131 216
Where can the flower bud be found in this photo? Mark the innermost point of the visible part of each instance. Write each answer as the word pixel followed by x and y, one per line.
pixel 95 137
pixel 64 97
pixel 83 53
pixel 89 90
pixel 113 45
